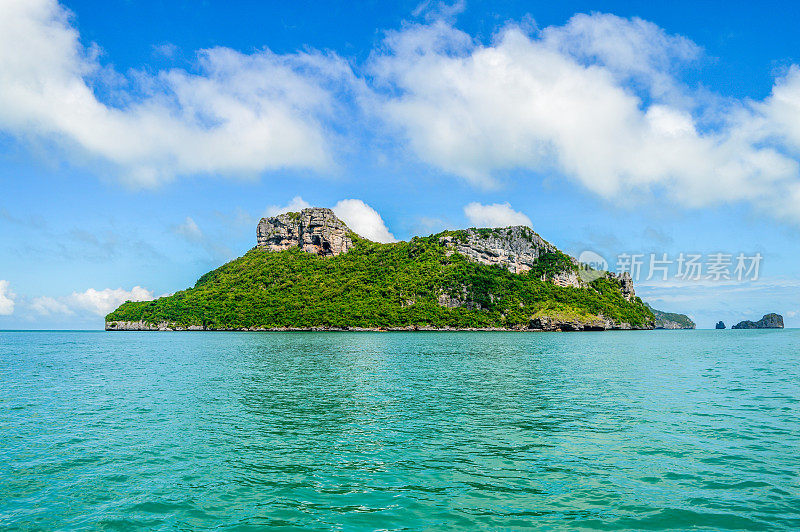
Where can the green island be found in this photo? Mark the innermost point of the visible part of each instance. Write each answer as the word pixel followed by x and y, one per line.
pixel 310 272
pixel 671 320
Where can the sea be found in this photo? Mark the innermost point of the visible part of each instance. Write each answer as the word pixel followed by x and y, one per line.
pixel 627 430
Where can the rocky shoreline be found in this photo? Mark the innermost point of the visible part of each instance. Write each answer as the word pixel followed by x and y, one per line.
pixel 536 325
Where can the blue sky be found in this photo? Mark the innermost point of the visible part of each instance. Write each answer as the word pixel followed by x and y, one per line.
pixel 141 142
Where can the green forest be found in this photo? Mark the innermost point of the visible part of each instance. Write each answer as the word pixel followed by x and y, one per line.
pixel 381 285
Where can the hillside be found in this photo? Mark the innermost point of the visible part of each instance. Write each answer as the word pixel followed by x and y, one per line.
pixel 671 320
pixel 309 271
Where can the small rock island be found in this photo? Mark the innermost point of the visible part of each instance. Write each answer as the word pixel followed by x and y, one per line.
pixel 769 321
pixel 720 325
pixel 309 271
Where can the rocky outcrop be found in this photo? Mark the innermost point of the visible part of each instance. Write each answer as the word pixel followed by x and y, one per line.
pixel 769 321
pixel 594 323
pixel 518 249
pixel 143 326
pixel 720 325
pixel 514 248
pixel 625 285
pixel 314 230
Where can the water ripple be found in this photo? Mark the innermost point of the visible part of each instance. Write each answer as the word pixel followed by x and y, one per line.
pixel 664 430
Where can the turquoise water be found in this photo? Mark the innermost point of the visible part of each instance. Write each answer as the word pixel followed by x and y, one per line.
pixel 420 431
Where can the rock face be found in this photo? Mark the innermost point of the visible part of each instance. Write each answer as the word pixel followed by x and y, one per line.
pixel 769 321
pixel 720 325
pixel 626 285
pixel 314 230
pixel 514 248
pixel 517 249
pixel 143 326
pixel 545 323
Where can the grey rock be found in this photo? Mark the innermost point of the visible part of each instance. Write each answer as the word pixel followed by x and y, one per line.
pixel 314 230
pixel 769 321
pixel 461 299
pixel 514 248
pixel 626 285
pixel 600 323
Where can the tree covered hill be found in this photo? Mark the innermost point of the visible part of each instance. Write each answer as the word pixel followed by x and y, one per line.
pixel 295 278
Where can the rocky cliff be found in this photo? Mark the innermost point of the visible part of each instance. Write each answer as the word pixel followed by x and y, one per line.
pixel 769 321
pixel 315 230
pixel 515 248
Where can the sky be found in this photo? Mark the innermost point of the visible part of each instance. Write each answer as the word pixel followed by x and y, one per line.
pixel 141 143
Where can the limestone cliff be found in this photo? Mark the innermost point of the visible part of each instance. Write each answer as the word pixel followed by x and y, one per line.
pixel 314 230
pixel 515 248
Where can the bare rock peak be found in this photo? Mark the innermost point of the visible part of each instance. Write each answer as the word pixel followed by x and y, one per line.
pixel 515 248
pixel 315 230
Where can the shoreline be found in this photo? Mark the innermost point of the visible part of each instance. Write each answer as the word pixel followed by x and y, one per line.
pixel 560 327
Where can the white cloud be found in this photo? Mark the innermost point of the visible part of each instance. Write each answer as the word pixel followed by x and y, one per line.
pixel 101 302
pixel 6 299
pixel 630 49
pixel 239 114
pixel 358 216
pixel 439 10
pixel 364 220
pixel 297 204
pixel 46 306
pixel 597 101
pixel 189 230
pixel 98 302
pixel 166 50
pixel 495 215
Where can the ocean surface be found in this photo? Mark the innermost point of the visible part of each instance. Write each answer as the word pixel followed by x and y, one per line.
pixel 651 430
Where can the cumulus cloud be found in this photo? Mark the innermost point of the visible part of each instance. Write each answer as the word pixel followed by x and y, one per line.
pixel 630 49
pixel 239 114
pixel 596 101
pixel 364 220
pixel 358 216
pixel 495 215
pixel 297 204
pixel 46 306
pixel 6 299
pixel 92 301
pixel 101 302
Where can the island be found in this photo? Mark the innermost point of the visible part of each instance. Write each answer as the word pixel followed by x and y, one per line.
pixel 671 320
pixel 309 271
pixel 720 325
pixel 769 321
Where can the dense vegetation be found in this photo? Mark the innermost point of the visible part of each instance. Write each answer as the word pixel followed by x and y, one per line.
pixel 663 319
pixel 379 285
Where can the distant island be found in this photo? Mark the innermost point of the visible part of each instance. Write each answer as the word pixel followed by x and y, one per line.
pixel 671 320
pixel 309 271
pixel 769 321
